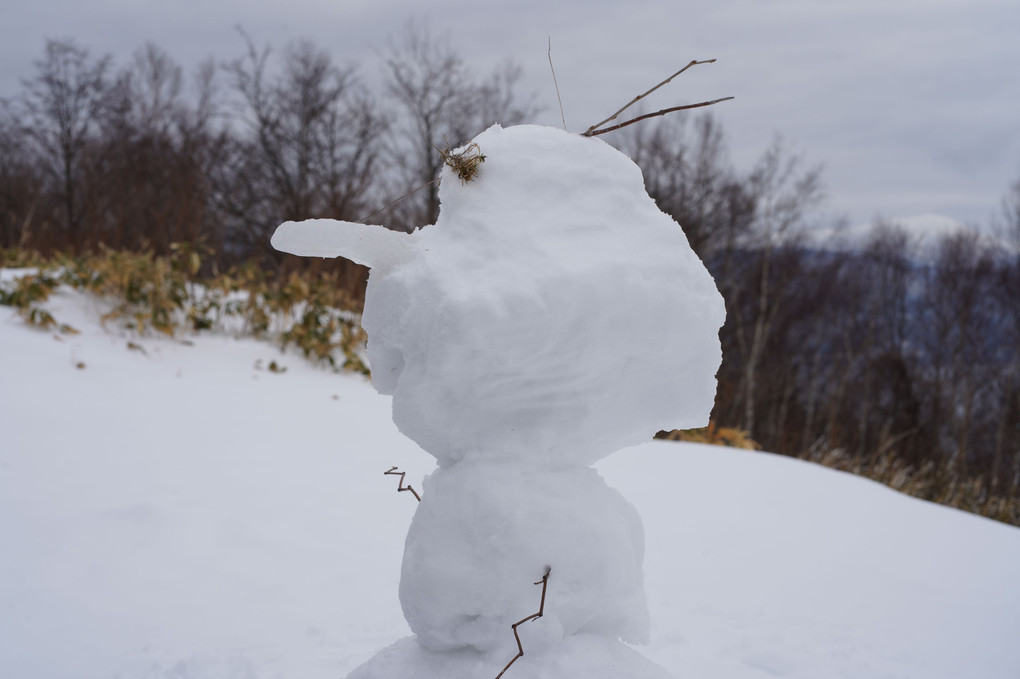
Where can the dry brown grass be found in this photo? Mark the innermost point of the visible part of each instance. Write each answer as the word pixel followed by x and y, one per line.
pixel 464 163
pixel 940 483
pixel 712 434
pixel 148 293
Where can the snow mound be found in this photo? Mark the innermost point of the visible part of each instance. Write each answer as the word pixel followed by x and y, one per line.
pixel 579 656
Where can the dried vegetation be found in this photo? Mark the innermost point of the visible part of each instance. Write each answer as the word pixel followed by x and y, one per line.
pixel 145 293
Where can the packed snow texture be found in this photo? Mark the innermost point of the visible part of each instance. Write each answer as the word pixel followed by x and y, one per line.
pixel 183 513
pixel 484 533
pixel 552 314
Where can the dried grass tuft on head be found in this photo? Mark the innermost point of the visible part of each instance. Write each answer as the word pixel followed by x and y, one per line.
pixel 465 163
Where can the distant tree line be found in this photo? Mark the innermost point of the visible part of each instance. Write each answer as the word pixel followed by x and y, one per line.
pixel 867 354
pixel 140 156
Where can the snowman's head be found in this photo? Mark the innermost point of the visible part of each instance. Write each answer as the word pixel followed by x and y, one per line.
pixel 552 314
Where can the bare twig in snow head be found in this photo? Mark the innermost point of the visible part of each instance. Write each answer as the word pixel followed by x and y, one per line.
pixel 556 85
pixel 593 130
pixel 534 616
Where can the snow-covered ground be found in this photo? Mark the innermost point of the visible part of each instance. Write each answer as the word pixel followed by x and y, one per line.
pixel 179 511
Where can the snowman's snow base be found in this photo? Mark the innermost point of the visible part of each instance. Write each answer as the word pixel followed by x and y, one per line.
pixel 485 533
pixel 579 655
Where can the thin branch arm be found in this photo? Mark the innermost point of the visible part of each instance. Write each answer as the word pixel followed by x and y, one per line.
pixel 657 113
pixel 591 130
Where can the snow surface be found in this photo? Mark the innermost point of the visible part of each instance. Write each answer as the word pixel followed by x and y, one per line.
pixel 183 513
pixel 485 532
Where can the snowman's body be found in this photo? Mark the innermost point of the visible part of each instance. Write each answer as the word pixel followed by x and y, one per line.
pixel 551 316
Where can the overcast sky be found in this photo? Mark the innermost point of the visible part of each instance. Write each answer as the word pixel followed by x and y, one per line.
pixel 912 106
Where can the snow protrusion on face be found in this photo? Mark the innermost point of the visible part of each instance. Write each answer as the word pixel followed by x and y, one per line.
pixel 370 246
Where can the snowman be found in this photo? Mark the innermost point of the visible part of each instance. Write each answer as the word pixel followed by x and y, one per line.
pixel 551 316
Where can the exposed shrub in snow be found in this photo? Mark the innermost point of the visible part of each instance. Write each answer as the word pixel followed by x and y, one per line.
pixel 714 435
pixel 144 293
pixel 944 484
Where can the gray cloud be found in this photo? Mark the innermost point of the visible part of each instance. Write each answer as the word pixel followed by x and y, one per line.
pixel 912 106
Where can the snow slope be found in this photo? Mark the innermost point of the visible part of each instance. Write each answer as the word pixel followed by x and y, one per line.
pixel 185 513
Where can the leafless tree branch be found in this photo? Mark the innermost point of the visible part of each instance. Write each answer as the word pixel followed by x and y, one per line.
pixel 657 113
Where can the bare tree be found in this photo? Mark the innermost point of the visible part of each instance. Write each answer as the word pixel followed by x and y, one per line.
pixel 441 103
pixel 160 102
pixel 497 99
pixel 157 155
pixel 64 103
pixel 745 228
pixel 687 174
pixel 21 184
pixel 784 195
pixel 956 311
pixel 310 148
pixel 157 85
pixel 885 404
pixel 1009 226
pixel 1008 435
